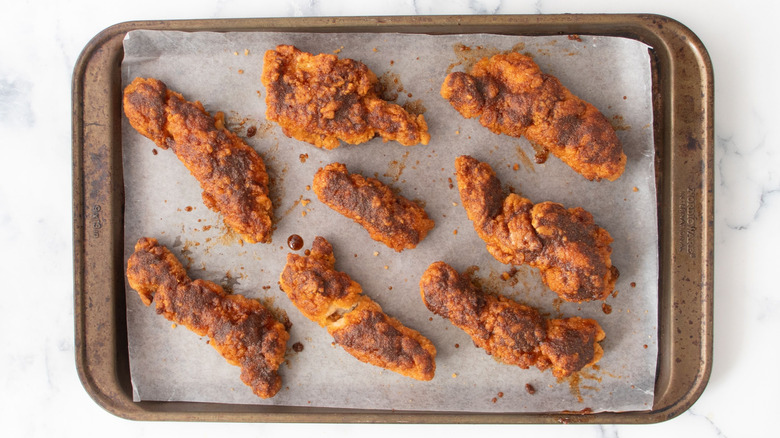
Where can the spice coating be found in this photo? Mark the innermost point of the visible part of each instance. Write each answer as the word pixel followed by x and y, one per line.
pixel 357 323
pixel 511 332
pixel 389 218
pixel 231 173
pixel 244 332
pixel 321 99
pixel 571 251
pixel 511 95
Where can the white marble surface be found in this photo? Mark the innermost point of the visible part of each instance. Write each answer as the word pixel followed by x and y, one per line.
pixel 40 394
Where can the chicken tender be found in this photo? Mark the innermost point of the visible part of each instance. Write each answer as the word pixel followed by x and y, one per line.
pixel 357 323
pixel 244 332
pixel 511 332
pixel 511 95
pixel 231 173
pixel 572 252
pixel 321 99
pixel 389 218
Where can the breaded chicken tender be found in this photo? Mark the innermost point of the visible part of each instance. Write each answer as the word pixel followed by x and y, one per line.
pixel 231 173
pixel 511 95
pixel 389 218
pixel 357 323
pixel 570 250
pixel 321 99
pixel 511 332
pixel 239 328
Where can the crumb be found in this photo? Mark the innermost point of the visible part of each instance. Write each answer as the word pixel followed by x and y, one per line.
pixel 297 347
pixel 633 284
pixel 174 326
pixel 307 252
pixel 449 183
pixel 246 52
pixel 516 167
pixel 645 346
pixel 305 202
pixel 387 267
pixel 376 253
pixel 375 49
pixel 635 189
pixel 303 157
pixel 251 131
pixel 154 151
pixel 454 375
pixel 457 132
pixel 240 71
pixel 494 400
pixel 455 231
pixel 308 187
pixel 457 345
pixel 303 213
pixel 500 395
pixel 188 208
pixel 235 53
pixel 624 97
pixel 266 287
pixel 454 204
pixel 392 62
pixel 530 389
pixel 389 287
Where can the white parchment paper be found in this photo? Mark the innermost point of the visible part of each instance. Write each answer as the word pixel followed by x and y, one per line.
pixel 222 70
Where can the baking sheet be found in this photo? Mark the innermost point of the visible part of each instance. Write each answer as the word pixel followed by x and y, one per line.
pixel 223 69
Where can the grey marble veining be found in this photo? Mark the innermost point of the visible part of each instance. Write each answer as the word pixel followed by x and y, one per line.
pixel 40 394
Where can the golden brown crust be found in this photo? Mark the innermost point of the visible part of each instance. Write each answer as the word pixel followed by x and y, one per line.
pixel 357 323
pixel 317 289
pixel 389 218
pixel 321 99
pixel 510 95
pixel 568 344
pixel 244 332
pixel 511 332
pixel 373 337
pixel 572 252
pixel 231 173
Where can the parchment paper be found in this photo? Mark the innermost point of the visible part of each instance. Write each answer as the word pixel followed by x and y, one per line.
pixel 222 70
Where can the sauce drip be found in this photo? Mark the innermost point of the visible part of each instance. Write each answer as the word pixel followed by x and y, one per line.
pixel 295 242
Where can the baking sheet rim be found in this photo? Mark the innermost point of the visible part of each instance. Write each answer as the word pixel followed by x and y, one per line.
pixel 609 23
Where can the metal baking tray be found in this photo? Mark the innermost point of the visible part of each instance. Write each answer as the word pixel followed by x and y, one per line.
pixel 683 127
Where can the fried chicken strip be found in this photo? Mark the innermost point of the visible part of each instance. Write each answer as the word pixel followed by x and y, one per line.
pixel 389 218
pixel 511 332
pixel 244 332
pixel 357 323
pixel 321 99
pixel 511 95
pixel 572 252
pixel 231 173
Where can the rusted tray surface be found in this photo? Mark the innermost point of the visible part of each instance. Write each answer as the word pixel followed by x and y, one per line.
pixel 683 124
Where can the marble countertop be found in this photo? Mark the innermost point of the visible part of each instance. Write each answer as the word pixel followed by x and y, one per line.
pixel 40 393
